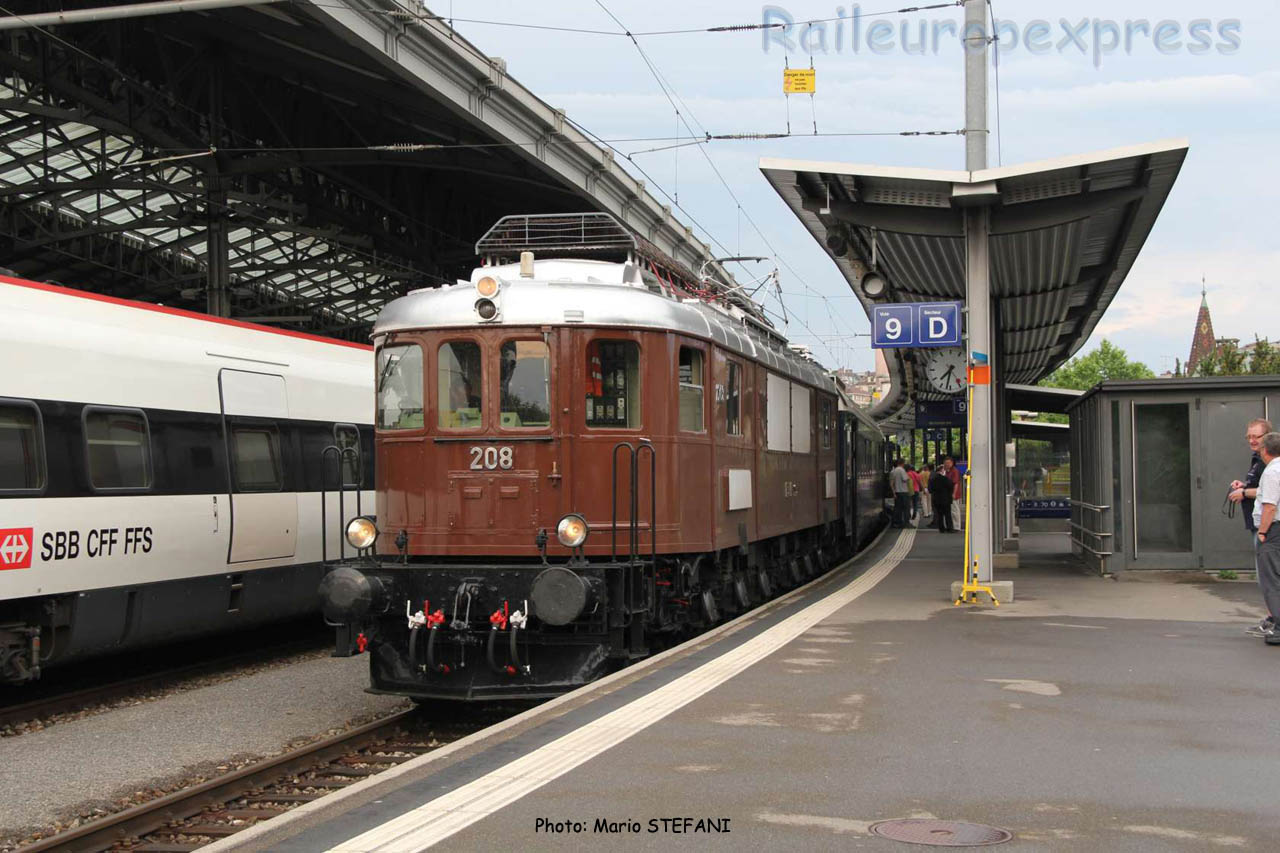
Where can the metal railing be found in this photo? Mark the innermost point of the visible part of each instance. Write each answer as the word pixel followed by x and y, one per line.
pixel 1097 536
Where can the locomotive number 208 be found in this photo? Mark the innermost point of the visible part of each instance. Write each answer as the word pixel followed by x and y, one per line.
pixel 488 458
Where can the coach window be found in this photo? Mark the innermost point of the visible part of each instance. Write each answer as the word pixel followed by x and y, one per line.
pixel 119 448
pixel 22 466
pixel 690 383
pixel 400 387
pixel 460 385
pixel 525 378
pixel 613 384
pixel 733 400
pixel 346 437
pixel 256 456
pixel 827 422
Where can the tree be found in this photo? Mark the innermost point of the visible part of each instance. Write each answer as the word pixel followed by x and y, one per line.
pixel 1108 361
pixel 1227 360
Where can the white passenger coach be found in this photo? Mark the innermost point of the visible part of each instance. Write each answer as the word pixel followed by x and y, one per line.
pixel 161 472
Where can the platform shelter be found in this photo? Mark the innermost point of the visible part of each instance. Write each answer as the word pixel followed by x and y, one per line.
pixel 1154 458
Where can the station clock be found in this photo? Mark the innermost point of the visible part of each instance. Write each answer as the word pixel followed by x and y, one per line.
pixel 945 369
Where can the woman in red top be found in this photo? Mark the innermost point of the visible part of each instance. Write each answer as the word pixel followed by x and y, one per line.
pixel 917 486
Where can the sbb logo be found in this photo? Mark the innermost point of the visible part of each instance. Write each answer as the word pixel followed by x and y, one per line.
pixel 15 548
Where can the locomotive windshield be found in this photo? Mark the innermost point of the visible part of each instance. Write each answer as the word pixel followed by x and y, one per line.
pixel 400 387
pixel 526 384
pixel 460 381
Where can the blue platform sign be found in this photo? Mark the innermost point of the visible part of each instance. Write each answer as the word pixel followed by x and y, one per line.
pixel 916 324
pixel 893 326
pixel 931 414
pixel 938 324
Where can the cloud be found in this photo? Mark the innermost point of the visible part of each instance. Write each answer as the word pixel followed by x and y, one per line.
pixel 1216 89
pixel 1154 315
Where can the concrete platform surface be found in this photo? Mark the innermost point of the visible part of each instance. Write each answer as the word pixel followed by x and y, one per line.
pixel 1087 715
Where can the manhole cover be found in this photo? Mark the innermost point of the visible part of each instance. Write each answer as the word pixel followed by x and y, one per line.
pixel 941 833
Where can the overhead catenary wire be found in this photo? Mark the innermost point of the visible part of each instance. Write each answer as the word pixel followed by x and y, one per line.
pixel 450 20
pixel 673 98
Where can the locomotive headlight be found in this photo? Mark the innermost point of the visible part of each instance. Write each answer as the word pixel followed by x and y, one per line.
pixel 486 308
pixel 487 287
pixel 572 530
pixel 361 532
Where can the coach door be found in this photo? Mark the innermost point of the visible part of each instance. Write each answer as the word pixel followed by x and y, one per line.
pixel 264 514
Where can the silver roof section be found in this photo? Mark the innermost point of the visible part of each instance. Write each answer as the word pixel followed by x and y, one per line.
pixel 596 294
pixel 600 235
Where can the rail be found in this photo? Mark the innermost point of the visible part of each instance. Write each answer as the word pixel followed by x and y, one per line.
pixel 1095 543
pixel 159 813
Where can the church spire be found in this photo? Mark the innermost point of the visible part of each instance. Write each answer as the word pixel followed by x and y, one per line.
pixel 1202 339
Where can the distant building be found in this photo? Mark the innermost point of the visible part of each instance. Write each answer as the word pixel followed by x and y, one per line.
pixel 1203 342
pixel 865 387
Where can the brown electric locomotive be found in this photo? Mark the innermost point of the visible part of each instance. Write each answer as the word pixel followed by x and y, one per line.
pixel 583 453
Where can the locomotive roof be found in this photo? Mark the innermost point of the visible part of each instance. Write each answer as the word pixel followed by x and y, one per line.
pixel 572 292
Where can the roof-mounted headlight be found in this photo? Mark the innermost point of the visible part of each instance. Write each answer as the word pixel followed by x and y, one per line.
pixel 572 530
pixel 361 532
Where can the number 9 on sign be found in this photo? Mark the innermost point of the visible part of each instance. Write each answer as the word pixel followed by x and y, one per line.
pixel 893 326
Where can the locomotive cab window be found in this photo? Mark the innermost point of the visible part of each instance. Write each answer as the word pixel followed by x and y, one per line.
pixel 733 400
pixel 256 458
pixel 826 422
pixel 525 378
pixel 347 437
pixel 460 385
pixel 118 448
pixel 22 466
pixel 613 384
pixel 399 389
pixel 690 384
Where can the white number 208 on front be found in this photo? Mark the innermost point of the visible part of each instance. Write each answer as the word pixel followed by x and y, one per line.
pixel 489 458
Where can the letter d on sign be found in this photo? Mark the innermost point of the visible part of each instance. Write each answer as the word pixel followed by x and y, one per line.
pixel 937 327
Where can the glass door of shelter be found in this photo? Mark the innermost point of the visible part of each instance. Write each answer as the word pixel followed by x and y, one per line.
pixel 1164 518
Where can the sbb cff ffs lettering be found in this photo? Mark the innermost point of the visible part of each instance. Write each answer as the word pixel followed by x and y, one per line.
pixel 98 542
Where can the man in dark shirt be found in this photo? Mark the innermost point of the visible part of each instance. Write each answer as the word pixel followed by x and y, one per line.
pixel 941 490
pixel 1245 491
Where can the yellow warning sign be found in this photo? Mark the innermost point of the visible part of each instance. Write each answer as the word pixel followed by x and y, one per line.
pixel 799 81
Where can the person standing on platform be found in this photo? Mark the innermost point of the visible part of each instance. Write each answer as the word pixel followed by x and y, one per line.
pixel 916 488
pixel 901 483
pixel 926 502
pixel 1245 491
pixel 1268 535
pixel 940 489
pixel 957 490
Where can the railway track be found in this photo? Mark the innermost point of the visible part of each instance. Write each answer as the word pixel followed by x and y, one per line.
pixel 191 818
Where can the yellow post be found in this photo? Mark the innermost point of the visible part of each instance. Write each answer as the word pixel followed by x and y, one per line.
pixel 969 586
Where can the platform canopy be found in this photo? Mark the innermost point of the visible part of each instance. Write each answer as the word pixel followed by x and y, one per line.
pixel 295 163
pixel 1064 234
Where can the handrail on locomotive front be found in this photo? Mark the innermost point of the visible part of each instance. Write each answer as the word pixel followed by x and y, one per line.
pixel 633 525
pixel 339 456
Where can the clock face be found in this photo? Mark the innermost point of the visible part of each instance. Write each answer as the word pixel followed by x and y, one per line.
pixel 945 370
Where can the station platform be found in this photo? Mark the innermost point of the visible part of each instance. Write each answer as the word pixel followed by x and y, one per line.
pixel 1087 715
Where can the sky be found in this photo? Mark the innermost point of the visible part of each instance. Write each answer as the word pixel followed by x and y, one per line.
pixel 1213 78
